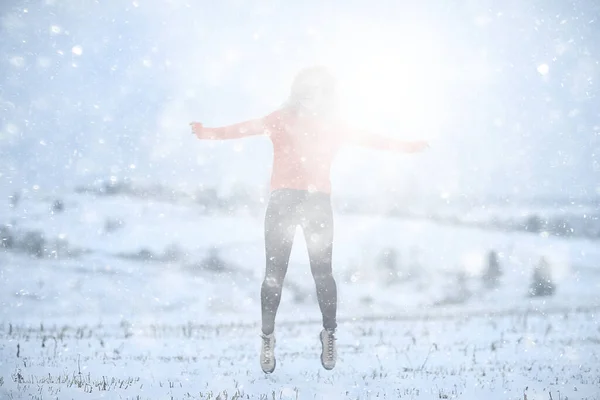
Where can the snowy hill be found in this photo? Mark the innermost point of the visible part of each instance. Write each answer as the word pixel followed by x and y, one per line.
pixel 385 266
pixel 83 268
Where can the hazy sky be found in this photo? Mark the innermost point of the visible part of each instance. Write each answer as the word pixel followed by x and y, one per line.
pixel 507 91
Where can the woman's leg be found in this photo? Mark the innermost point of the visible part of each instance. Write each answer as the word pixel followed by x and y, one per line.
pixel 317 221
pixel 280 228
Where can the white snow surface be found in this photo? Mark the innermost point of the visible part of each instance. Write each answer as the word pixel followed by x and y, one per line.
pixel 99 324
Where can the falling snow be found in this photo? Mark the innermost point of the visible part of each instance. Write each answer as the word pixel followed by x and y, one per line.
pixel 77 50
pixel 543 69
pixel 132 254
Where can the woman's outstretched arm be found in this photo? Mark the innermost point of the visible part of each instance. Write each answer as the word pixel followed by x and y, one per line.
pixel 240 130
pixel 380 142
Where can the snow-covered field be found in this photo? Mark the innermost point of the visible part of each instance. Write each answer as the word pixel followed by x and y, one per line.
pixel 125 303
pixel 493 357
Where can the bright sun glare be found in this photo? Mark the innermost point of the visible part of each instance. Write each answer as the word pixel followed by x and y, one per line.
pixel 393 82
pixel 386 84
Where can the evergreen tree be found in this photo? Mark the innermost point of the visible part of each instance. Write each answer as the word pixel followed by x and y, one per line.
pixel 542 284
pixel 491 277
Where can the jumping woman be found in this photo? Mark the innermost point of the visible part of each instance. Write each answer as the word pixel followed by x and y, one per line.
pixel 306 137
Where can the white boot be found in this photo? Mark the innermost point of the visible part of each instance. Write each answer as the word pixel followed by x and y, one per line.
pixel 267 353
pixel 328 351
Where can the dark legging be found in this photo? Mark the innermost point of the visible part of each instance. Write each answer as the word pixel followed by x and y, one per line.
pixel 287 209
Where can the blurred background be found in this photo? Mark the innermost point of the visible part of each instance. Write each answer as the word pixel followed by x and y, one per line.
pixel 134 252
pixel 100 174
pixel 507 93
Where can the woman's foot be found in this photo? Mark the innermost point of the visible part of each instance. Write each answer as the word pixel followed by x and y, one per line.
pixel 267 353
pixel 328 349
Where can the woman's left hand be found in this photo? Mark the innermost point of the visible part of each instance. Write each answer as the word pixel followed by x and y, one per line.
pixel 418 146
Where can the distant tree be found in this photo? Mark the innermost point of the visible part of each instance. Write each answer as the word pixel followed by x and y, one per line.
pixel 388 262
pixel 213 261
pixel 14 199
pixel 60 248
pixel 491 276
pixel 33 243
pixel 534 224
pixel 208 197
pixel 7 240
pixel 542 284
pixel 458 293
pixel 116 187
pixel 144 255
pixel 112 224
pixel 58 206
pixel 173 253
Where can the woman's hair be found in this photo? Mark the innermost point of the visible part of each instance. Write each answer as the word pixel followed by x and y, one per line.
pixel 313 89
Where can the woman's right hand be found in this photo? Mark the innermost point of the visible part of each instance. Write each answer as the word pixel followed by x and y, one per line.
pixel 197 129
